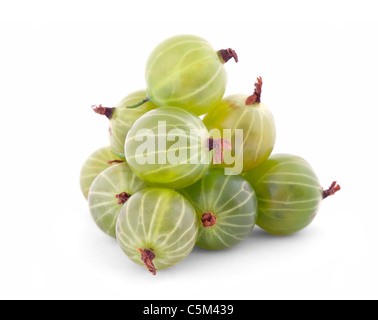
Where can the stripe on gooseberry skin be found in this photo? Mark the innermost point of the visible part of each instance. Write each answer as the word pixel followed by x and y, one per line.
pixel 165 52
pixel 195 92
pixel 147 257
pixel 187 67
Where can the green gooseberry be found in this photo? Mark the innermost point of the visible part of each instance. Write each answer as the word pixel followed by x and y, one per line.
pixel 254 118
pixel 122 118
pixel 186 72
pixel 97 162
pixel 157 228
pixel 109 191
pixel 288 192
pixel 226 207
pixel 168 147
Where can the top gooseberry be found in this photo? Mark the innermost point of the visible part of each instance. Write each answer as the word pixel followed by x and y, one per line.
pixel 186 72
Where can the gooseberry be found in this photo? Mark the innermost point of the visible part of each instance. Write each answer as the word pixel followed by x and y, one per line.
pixel 97 162
pixel 122 118
pixel 240 112
pixel 186 72
pixel 109 191
pixel 157 228
pixel 168 147
pixel 288 192
pixel 226 207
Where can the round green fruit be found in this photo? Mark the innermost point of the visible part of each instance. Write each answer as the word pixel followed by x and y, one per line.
pixel 97 162
pixel 168 147
pixel 289 194
pixel 122 118
pixel 258 135
pixel 157 228
pixel 226 207
pixel 186 72
pixel 109 191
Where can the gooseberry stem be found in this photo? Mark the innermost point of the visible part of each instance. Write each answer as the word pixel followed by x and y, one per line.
pixel 122 197
pixel 219 145
pixel 115 161
pixel 147 257
pixel 256 97
pixel 208 219
pixel 227 54
pixel 331 190
pixel 108 112
pixel 134 106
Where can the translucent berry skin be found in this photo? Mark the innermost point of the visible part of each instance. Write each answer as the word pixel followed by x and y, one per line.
pixel 169 175
pixel 289 194
pixel 255 120
pixel 94 165
pixel 160 220
pixel 103 201
pixel 233 202
pixel 185 71
pixel 123 118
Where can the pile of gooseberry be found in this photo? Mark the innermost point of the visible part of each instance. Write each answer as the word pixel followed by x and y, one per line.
pixel 166 183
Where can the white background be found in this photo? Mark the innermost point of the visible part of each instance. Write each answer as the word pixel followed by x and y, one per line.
pixel 319 64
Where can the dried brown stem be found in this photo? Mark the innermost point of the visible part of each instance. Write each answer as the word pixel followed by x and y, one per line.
pixel 108 112
pixel 122 197
pixel 208 219
pixel 139 103
pixel 147 257
pixel 331 190
pixel 227 54
pixel 114 161
pixel 256 97
pixel 219 146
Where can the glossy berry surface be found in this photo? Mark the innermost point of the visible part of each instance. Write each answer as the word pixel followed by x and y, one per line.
pixel 158 226
pixel 185 71
pixel 226 207
pixel 168 147
pixel 123 118
pixel 288 192
pixel 109 191
pixel 94 165
pixel 256 121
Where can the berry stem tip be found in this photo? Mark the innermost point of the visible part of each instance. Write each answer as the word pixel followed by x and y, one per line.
pixel 147 257
pixel 208 219
pixel 108 112
pixel 331 190
pixel 122 197
pixel 256 97
pixel 227 54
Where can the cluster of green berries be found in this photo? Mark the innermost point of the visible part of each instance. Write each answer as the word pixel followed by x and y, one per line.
pixel 158 210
